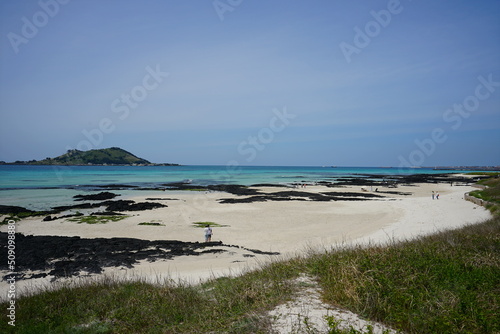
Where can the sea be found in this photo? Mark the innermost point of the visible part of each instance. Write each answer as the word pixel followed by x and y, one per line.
pixel 42 187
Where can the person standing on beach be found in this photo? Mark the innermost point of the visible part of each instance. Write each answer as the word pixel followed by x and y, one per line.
pixel 433 195
pixel 437 196
pixel 208 233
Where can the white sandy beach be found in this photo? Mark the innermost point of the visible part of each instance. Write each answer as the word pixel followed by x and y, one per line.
pixel 287 227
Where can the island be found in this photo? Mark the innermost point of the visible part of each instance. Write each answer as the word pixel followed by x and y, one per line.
pixel 99 157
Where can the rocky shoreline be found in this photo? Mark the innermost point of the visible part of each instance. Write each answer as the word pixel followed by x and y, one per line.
pixel 114 207
pixel 42 256
pixel 61 256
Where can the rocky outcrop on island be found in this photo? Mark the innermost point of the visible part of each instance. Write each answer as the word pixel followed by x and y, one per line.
pixel 106 156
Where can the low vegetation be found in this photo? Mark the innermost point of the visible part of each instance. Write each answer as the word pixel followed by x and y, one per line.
pixel 445 283
pixel 205 224
pixel 151 224
pixel 21 215
pixel 96 219
pixel 491 193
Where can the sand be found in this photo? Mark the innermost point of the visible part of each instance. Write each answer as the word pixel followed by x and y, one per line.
pixel 287 227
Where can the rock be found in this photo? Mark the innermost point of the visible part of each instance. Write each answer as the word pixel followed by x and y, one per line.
pixel 69 256
pixel 102 196
pixel 10 209
pixel 128 205
pixel 119 205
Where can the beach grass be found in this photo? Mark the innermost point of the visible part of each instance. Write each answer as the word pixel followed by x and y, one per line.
pixel 151 224
pixel 444 283
pixel 96 219
pixel 19 216
pixel 205 224
pixel 490 194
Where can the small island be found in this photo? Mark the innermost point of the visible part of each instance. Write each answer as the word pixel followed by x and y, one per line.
pixel 113 156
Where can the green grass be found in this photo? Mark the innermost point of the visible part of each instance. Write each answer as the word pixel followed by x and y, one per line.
pixel 491 194
pixel 21 215
pixel 491 174
pixel 211 224
pixel 96 219
pixel 445 283
pixel 110 306
pixel 151 224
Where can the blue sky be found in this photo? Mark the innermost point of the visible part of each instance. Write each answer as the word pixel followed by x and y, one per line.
pixel 346 83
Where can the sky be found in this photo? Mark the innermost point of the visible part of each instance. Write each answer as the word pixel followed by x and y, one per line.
pixel 239 82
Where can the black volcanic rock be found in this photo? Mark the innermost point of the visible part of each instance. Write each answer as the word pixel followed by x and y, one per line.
pixel 128 205
pixel 102 196
pixel 302 196
pixel 6 209
pixel 234 189
pixel 119 205
pixel 69 256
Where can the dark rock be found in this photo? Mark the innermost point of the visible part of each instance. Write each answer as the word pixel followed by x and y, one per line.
pixel 128 205
pixel 182 186
pixel 10 209
pixel 161 199
pixel 351 194
pixel 69 256
pixel 106 213
pixel 119 205
pixel 302 196
pixel 269 185
pixel 102 196
pixel 235 189
pixel 61 208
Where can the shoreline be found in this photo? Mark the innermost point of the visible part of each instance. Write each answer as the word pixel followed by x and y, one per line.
pixel 290 226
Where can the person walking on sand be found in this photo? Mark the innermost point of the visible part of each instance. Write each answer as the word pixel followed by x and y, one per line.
pixel 437 196
pixel 433 195
pixel 208 233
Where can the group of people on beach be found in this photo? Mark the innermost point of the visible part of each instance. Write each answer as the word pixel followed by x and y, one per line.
pixel 435 195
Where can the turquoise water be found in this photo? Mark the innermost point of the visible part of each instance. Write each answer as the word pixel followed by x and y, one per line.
pixel 31 177
pixel 40 187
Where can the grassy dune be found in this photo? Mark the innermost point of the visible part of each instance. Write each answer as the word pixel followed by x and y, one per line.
pixel 444 283
pixel 491 194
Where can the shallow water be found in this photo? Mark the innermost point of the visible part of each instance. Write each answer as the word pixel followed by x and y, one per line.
pixel 41 187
